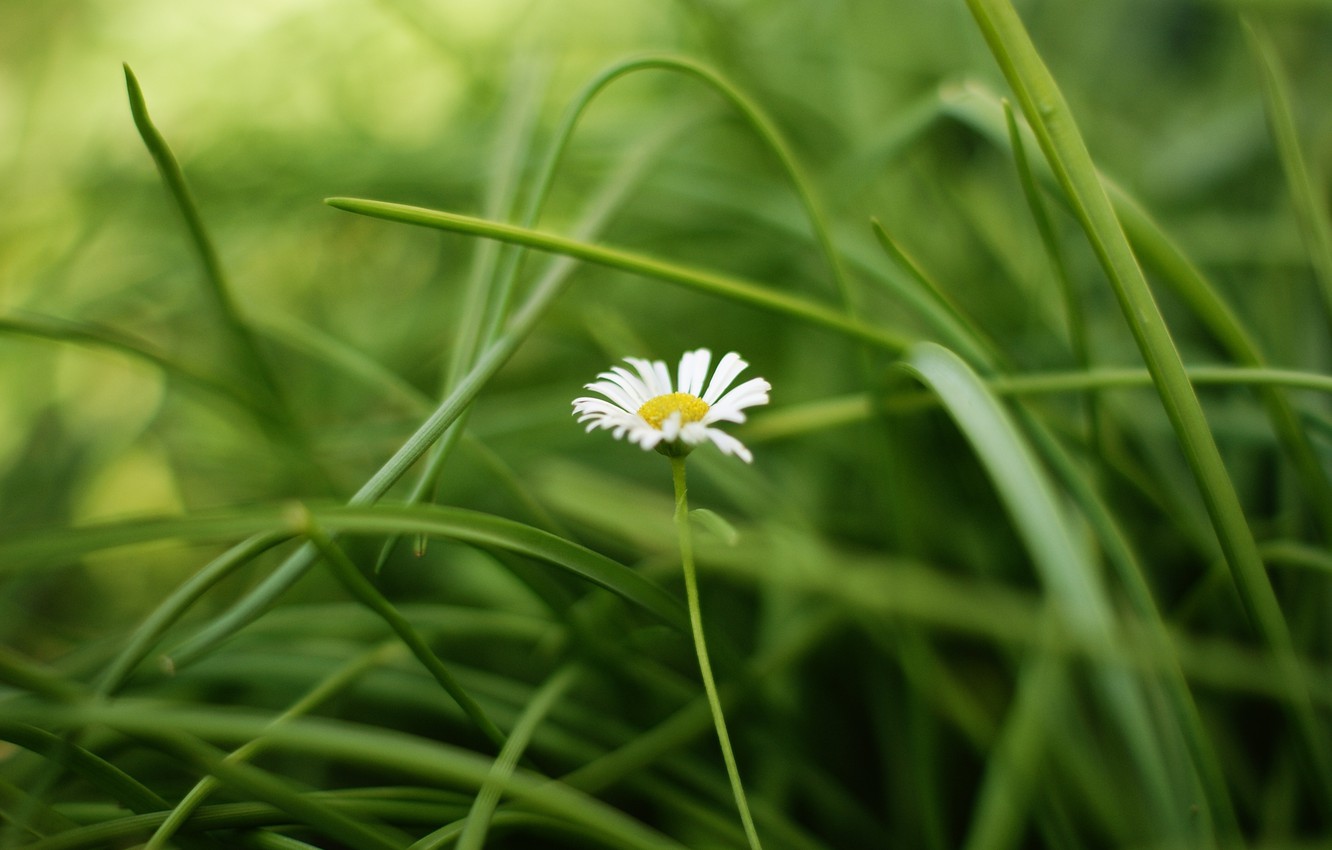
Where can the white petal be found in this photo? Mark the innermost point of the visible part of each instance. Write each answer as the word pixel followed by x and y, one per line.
pixel 729 445
pixel 651 378
pixel 663 376
pixel 646 436
pixel 614 393
pixel 589 408
pixel 670 428
pixel 693 433
pixel 685 372
pixel 727 409
pixel 694 371
pixel 594 405
pixel 607 416
pixel 632 385
pixel 727 369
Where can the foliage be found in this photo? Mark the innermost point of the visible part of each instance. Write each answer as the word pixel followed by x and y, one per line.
pixel 300 545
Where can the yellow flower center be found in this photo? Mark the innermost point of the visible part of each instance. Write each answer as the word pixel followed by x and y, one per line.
pixel 657 410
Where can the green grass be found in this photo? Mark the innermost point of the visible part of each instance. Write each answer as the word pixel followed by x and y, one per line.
pixel 300 546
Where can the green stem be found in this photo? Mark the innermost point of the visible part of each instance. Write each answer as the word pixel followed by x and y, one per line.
pixel 701 648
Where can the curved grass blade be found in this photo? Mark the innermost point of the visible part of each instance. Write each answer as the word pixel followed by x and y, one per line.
pixel 111 339
pixel 465 526
pixel 1081 605
pixel 1064 149
pixel 375 748
pixel 1026 492
pixel 330 687
pixel 90 766
pixel 763 128
pixel 740 291
pixel 486 530
pixel 267 787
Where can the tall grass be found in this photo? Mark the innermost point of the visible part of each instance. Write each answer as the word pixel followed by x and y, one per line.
pixel 301 547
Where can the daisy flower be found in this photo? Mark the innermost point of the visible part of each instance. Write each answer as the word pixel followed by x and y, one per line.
pixel 672 419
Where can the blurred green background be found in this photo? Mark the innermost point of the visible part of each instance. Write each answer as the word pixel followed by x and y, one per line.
pixel 272 107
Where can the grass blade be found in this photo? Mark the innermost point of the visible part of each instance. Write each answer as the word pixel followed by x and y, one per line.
pixel 465 526
pixel 1315 226
pixel 375 748
pixel 1027 494
pixel 740 291
pixel 1080 604
pixel 100 336
pixel 599 210
pixel 266 787
pixel 473 836
pixel 983 112
pixel 766 131
pixel 964 332
pixel 1067 154
pixel 368 595
pixel 218 292
pixel 291 570
pixel 115 782
pixel 330 687
pixel 812 417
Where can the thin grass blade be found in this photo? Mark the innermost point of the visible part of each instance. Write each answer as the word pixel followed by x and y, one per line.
pixel 1310 206
pixel 740 291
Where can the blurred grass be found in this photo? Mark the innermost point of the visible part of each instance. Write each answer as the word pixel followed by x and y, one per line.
pixel 988 608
